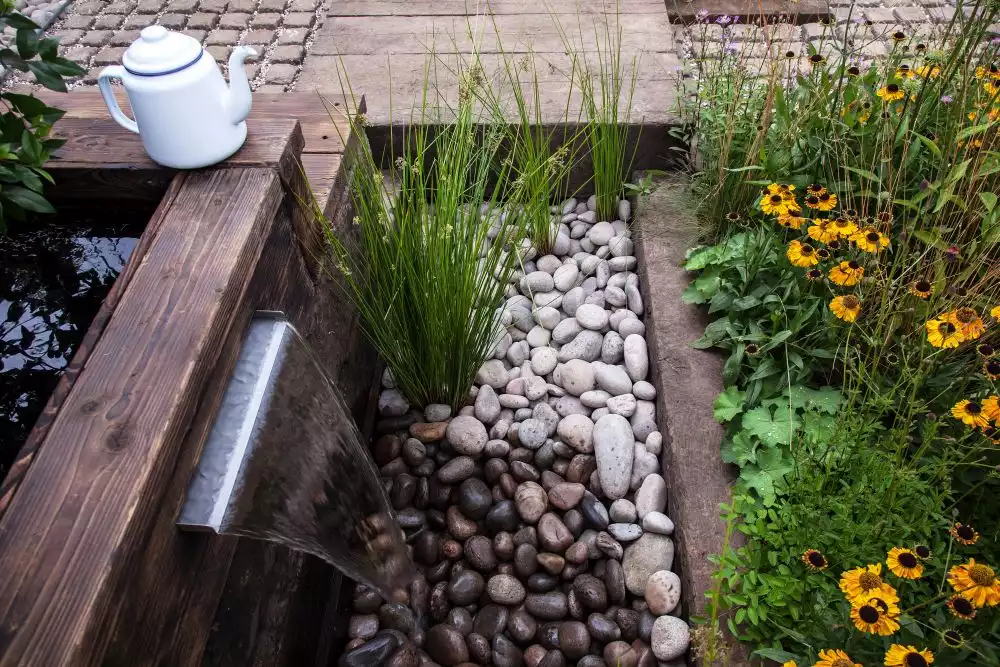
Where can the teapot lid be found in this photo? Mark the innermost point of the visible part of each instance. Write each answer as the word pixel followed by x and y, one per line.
pixel 160 51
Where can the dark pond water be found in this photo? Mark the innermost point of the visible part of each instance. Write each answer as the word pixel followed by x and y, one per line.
pixel 54 275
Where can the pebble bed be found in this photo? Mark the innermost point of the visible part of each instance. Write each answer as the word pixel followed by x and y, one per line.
pixel 537 514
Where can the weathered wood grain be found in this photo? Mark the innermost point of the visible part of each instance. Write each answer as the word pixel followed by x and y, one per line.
pixel 72 535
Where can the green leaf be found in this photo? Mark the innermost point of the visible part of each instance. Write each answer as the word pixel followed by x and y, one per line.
pixel 47 76
pixel 27 199
pixel 776 429
pixel 27 43
pixel 20 22
pixel 727 405
pixel 989 200
pixel 777 655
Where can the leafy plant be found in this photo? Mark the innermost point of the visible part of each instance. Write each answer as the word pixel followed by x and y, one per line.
pixel 26 122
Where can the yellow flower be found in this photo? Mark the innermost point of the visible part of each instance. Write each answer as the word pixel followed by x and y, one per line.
pixel 964 533
pixel 928 71
pixel 992 72
pixel 870 239
pixel 991 408
pixel 843 226
pixel 942 333
pixel 816 189
pixel 801 254
pixel 847 273
pixel 875 617
pixel 970 413
pixel 776 204
pixel 834 657
pixel 975 582
pixel 961 608
pixel 782 189
pixel 904 563
pixel 991 368
pixel 907 656
pixel 820 231
pixel 904 72
pixel 991 88
pixel 995 312
pixel 970 326
pixel 791 220
pixel 827 201
pixel 921 288
pixel 815 559
pixel 865 580
pixel 790 663
pixel 890 93
pixel 846 307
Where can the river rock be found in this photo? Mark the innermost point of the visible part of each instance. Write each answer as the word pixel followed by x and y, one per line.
pixel 591 592
pixel 636 357
pixel 466 587
pixel 663 592
pixel 594 512
pixel 429 432
pixel 414 452
pixel 613 379
pixel 613 446
pixel 574 640
pixel 585 346
pixel 373 652
pixel 492 373
pixel 614 581
pixel 362 626
pixel 625 532
pixel 577 432
pixel 506 653
pixel 505 589
pixel 566 495
pixel 460 619
pixel 446 645
pixel 548 317
pixel 531 501
pixel 644 420
pixel 550 606
pixel 524 560
pixel 576 376
pixel 487 406
pixel 457 470
pixel 649 554
pixel 644 464
pixel 609 546
pixel 543 360
pixel 554 564
pixel 479 648
pixel 602 628
pixel 566 330
pixel 592 317
pixel 502 517
pixel 532 433
pixel 474 498
pixel 622 511
pixel 623 405
pixel 490 620
pixel 553 535
pixel 392 403
pixel 479 552
pixel 657 522
pixel 460 527
pixel 565 277
pixel 651 496
pixel 671 637
pixel 522 627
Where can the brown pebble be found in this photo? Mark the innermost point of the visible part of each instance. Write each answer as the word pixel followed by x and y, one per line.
pixel 428 432
pixel 566 495
pixel 479 552
pixel 446 645
pixel 521 627
pixel 525 563
pixel 615 654
pixel 553 535
pixel 591 592
pixel 575 522
pixel 550 480
pixel 580 468
pixel 551 563
pixel 479 649
pixel 524 472
pixel 526 535
pixel 439 604
pixel 533 655
pixel 577 553
pixel 426 548
pixel 553 658
pixel 493 469
pixel 560 467
pixel 460 527
pixel 614 581
pixel 438 571
pixel 354 643
pixel 531 501
pixel 386 448
pixel 451 550
pixel 503 545
pixel 574 640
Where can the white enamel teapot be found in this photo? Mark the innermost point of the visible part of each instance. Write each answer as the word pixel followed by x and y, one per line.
pixel 185 113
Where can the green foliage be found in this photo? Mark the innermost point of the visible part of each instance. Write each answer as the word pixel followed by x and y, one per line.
pixel 26 122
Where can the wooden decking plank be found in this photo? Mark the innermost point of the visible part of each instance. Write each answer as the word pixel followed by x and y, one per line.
pixel 110 451
pixel 322 171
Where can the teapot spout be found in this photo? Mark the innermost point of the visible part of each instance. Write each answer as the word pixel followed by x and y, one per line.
pixel 239 86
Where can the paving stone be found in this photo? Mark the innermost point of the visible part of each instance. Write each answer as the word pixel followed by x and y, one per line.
pixel 109 22
pixel 270 89
pixel 197 34
pixel 293 36
pixel 303 5
pixel 213 6
pixel 238 21
pixel 283 74
pixel 88 8
pixel 242 5
pixel 203 21
pixel 271 6
pixel 68 37
pixel 911 14
pixel 299 19
pixel 941 14
pixel 182 6
pixel 124 37
pixel 109 55
pixel 172 21
pixel 78 21
pixel 251 70
pixel 120 7
pixel 96 38
pixel 287 54
pixel 139 21
pixel 150 6
pixel 80 54
pixel 879 15
pixel 219 52
pixel 266 20
pixel 222 37
pixel 90 78
pixel 258 37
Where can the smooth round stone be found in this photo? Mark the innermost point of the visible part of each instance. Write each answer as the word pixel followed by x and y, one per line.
pixel 542 582
pixel 615 296
pixel 623 263
pixel 460 619
pixel 634 298
pixel 628 620
pixel 631 327
pixel 602 628
pixel 618 653
pixel 518 352
pixel 404 657
pixel 601 233
pixel 596 398
pixel 531 501
pixel 366 600
pixel 490 620
pixel 425 548
pixel 446 645
pixel 397 617
pixel 487 406
pixel 577 553
pixel 657 522
pixel 590 661
pixel 373 652
pixel 479 648
pixel 497 448
pixel 553 535
pixel 550 606
pixel 532 433
pixel 624 405
pixel 574 640
pixel 505 589
pixel 554 564
pixel 525 563
pixel 613 446
pixel 622 511
pixel 625 532
pixel 503 546
pixel 576 376
pixel 460 527
pixel 437 412
pixel 565 277
pixel 514 401
pixel 591 592
pixel 621 246
pixel 614 581
pixel 362 626
pixel 569 206
pixel 636 357
pixel 613 379
pixel 548 317
pixel 467 435
pixel 594 512
pixel 466 587
pixel 539 337
pixel 649 554
pixel 536 281
pixel 502 517
pixel 609 546
pixel 663 592
pixel 492 373
pixel 567 329
pixel 654 443
pixel 592 317
pixel 392 403
pixel 414 452
pixel 577 432
pixel 585 346
pixel 544 413
pixel 671 638
pixel 524 472
pixel 589 264
pixel 474 498
pixel 651 495
pixel 570 405
pixel 506 653
pixel 522 627
pixel 479 552
pixel 543 360
pixel 566 495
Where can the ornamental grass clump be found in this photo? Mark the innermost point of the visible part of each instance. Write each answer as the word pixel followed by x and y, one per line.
pixel 432 251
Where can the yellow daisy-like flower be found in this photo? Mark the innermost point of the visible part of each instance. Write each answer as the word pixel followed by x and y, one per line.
pixel 814 274
pixel 976 582
pixel 834 657
pixel 991 408
pixel 904 72
pixel 816 189
pixel 928 71
pixel 847 273
pixel 970 413
pixel 890 93
pixel 827 201
pixel 815 559
pixel 776 204
pixel 907 656
pixel 791 220
pixel 904 563
pixel 846 307
pixel 969 324
pixel 964 533
pixel 875 616
pixel 820 231
pixel 790 663
pixel 922 289
pixel 870 239
pixel 961 608
pixel 995 312
pixel 780 189
pixel 864 581
pixel 801 254
pixel 844 226
pixel 991 88
pixel 942 333
pixel 992 72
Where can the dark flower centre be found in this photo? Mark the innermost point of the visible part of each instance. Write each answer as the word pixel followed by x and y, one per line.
pixel 823 253
pixel 789 54
pixel 733 216
pixel 815 187
pixel 872 237
pixel 962 606
pixel 986 350
pixel 952 638
pixel 834 245
pixel 812 199
pixel 923 286
pixel 907 559
pixel 816 58
pixel 994 69
pixel 853 266
pixel 816 559
pixel 923 551
pixel 898 35
pixel 776 199
pixel 851 302
pixel 824 197
pixel 965 315
pixel 807 249
pixel 914 660
pixel 752 348
pixel 963 531
pixel 993 367
pixel 946 328
pixel 814 273
pixel 854 71
pixel 982 575
pixel 892 88
pixel 972 408
pixel 868 581
pixel 868 614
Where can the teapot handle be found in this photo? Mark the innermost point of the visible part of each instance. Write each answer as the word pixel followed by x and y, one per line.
pixel 104 82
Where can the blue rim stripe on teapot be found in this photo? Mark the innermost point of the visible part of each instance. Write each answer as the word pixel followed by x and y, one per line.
pixel 169 71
